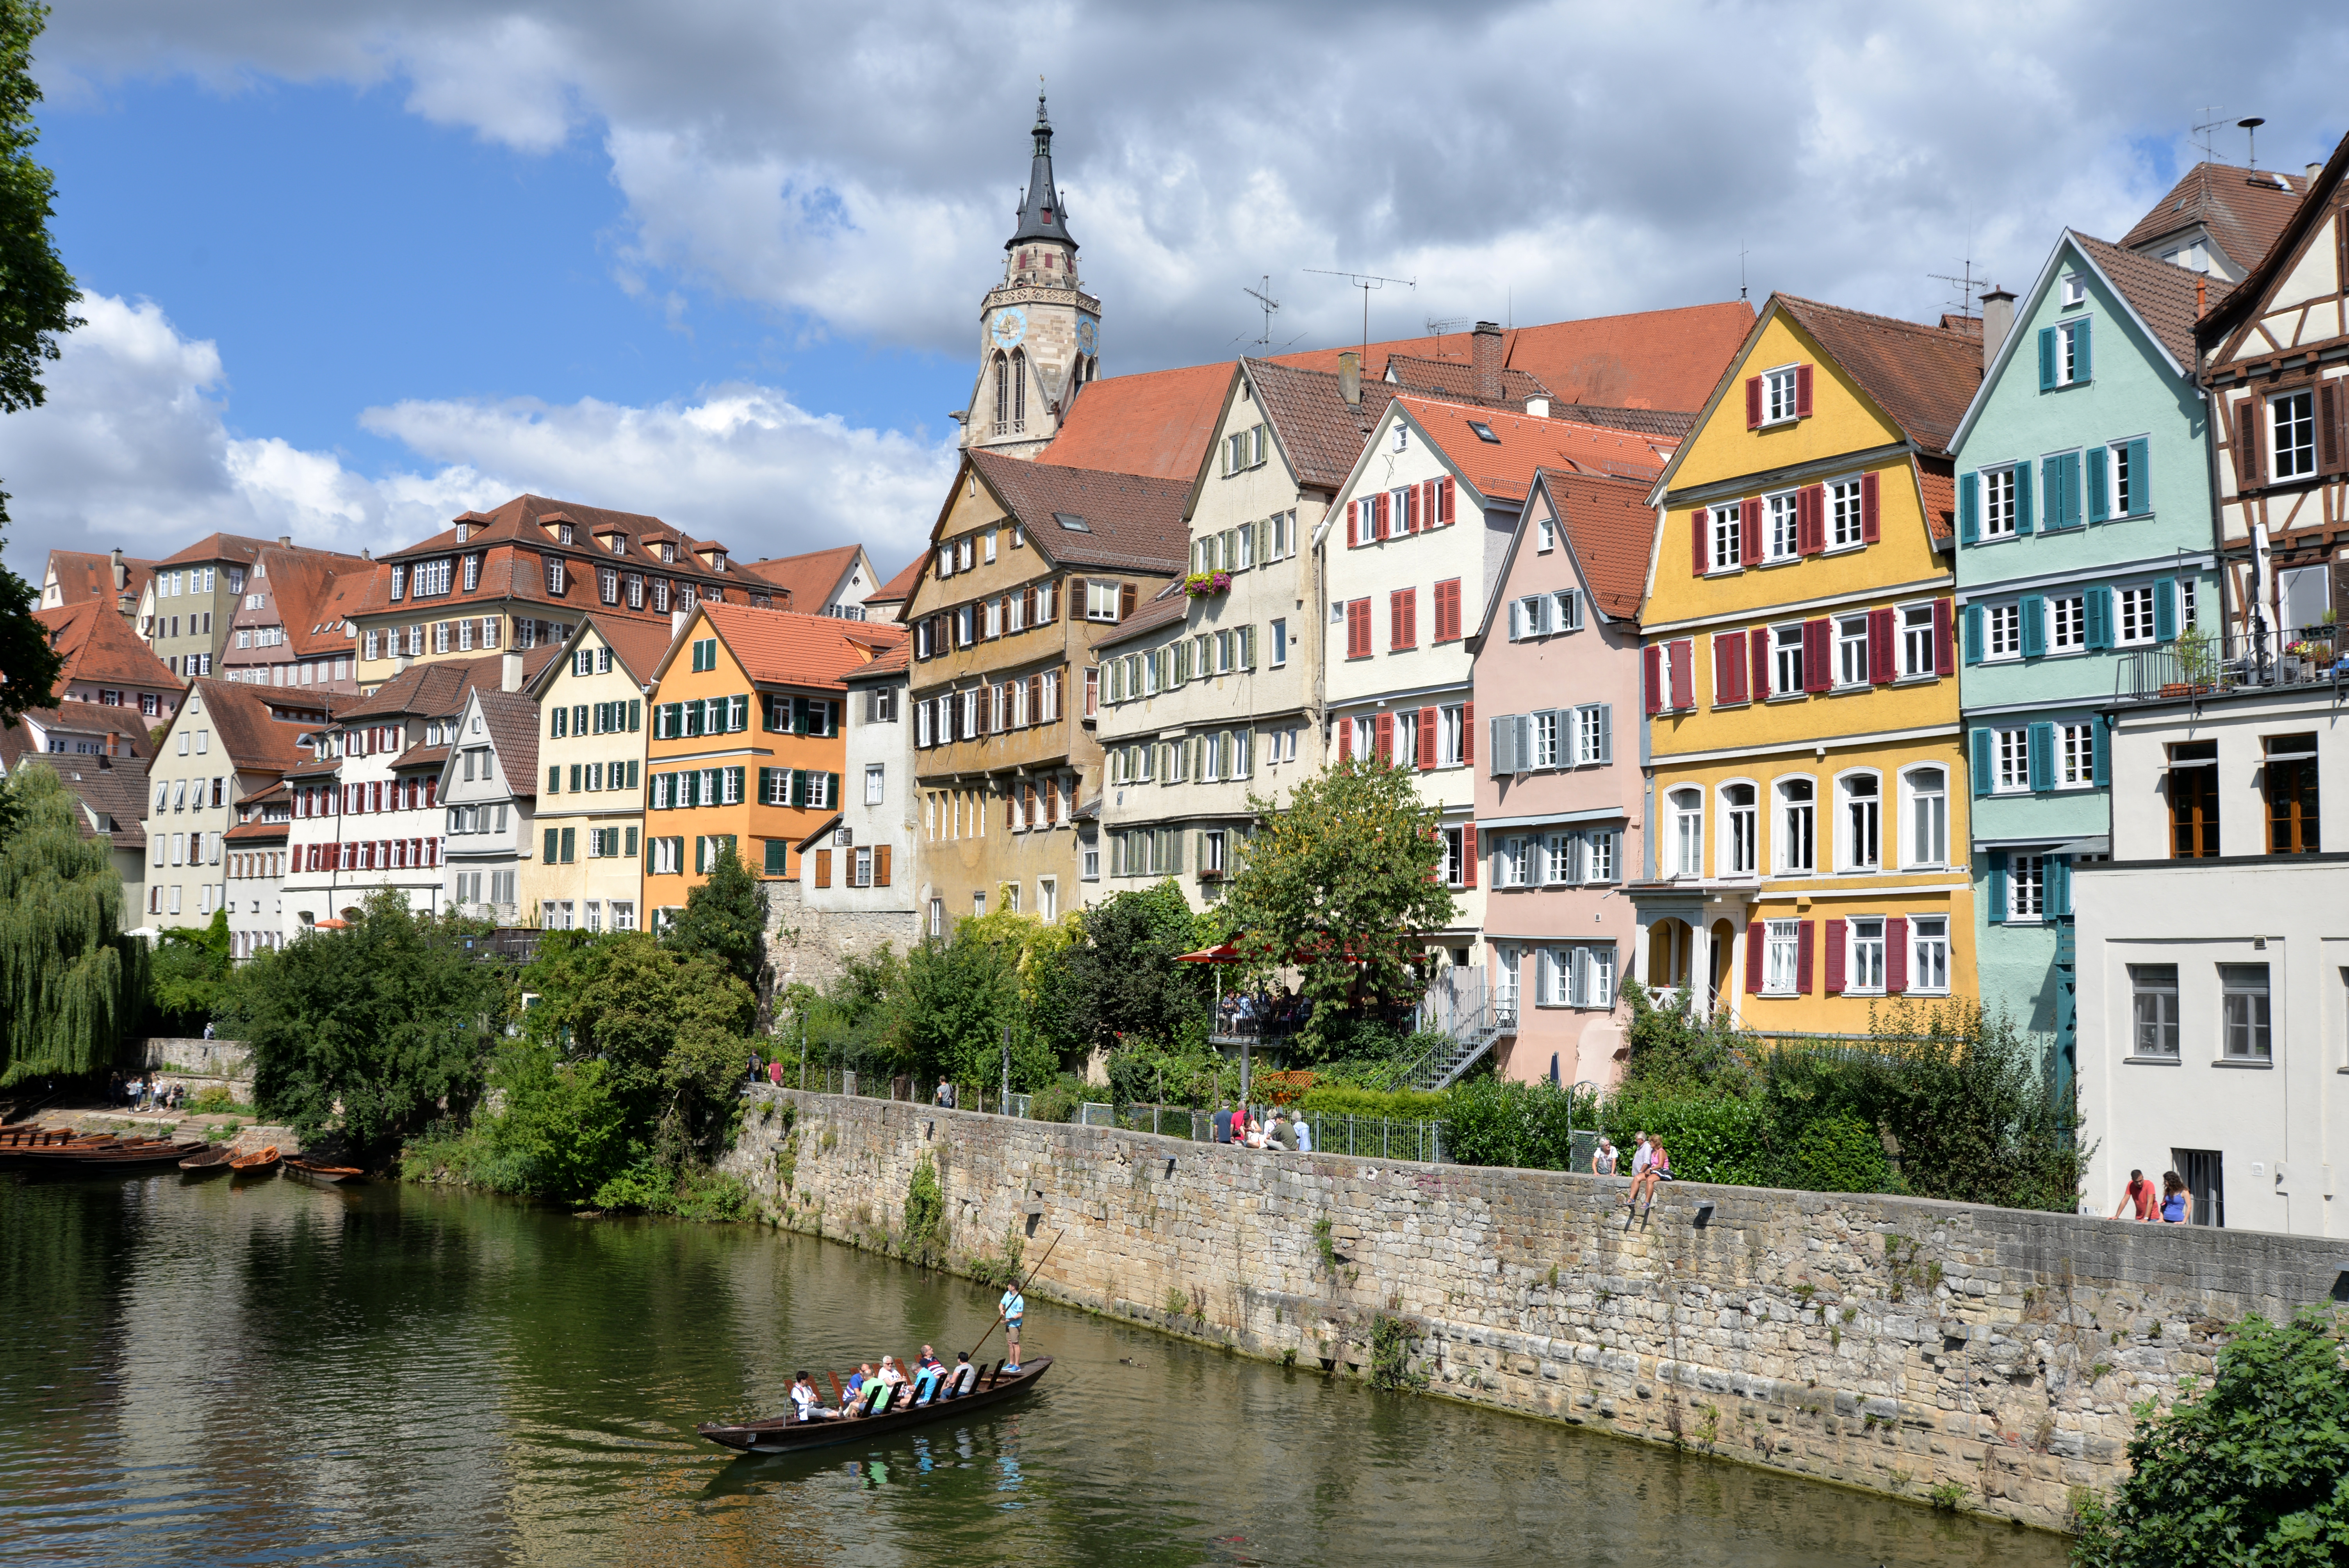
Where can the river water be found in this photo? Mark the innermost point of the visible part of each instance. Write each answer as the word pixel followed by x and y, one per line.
pixel 210 1373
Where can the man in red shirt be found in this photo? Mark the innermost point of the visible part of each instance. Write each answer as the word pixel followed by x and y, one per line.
pixel 2142 1193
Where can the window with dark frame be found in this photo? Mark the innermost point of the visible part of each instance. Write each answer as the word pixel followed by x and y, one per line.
pixel 2153 1009
pixel 2244 1016
pixel 2193 780
pixel 2289 783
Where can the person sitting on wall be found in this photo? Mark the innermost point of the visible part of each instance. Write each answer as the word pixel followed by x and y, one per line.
pixel 1659 1169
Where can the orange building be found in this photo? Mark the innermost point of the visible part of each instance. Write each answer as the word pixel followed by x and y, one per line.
pixel 744 744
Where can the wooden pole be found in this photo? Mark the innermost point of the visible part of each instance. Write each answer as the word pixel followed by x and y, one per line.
pixel 1023 1290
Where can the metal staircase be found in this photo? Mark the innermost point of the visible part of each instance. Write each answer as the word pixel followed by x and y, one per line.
pixel 1460 1007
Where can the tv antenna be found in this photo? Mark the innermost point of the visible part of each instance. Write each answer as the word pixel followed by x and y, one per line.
pixel 2251 129
pixel 1264 298
pixel 1438 325
pixel 1964 281
pixel 1741 253
pixel 1365 282
pixel 2202 137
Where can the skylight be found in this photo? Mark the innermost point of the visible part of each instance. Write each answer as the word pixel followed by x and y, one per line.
pixel 1484 431
pixel 1071 521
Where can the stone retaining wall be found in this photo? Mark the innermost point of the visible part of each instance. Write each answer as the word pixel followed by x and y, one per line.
pixel 1899 1345
pixel 196 1058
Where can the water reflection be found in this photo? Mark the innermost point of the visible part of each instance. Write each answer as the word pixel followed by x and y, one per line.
pixel 215 1372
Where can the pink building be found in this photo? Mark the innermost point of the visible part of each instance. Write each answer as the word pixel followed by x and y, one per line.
pixel 1558 812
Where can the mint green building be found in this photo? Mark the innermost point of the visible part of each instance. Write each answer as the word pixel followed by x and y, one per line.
pixel 2084 536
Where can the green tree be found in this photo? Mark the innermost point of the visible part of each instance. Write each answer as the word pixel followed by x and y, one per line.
pixel 2253 1469
pixel 184 976
pixel 368 1030
pixel 29 667
pixel 726 918
pixel 1122 975
pixel 960 994
pixel 1343 879
pixel 72 985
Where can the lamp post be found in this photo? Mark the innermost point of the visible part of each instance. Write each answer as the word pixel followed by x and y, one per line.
pixel 1005 1105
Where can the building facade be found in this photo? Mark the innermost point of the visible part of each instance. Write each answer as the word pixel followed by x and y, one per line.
pixel 228 742
pixel 291 627
pixel 489 784
pixel 856 871
pixel 255 860
pixel 103 662
pixel 591 739
pixel 1805 782
pixel 103 770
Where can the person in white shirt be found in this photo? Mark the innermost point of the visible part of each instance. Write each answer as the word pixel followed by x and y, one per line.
pixel 1641 1157
pixel 1602 1160
pixel 1304 1135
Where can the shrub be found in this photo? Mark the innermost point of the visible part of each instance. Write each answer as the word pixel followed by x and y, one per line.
pixel 1404 1105
pixel 1709 1138
pixel 1837 1154
pixel 925 1213
pixel 1059 1101
pixel 1503 1122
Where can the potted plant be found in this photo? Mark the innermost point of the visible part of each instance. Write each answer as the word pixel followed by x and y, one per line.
pixel 2194 662
pixel 1200 585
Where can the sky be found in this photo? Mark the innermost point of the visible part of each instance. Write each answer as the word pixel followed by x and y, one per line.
pixel 352 268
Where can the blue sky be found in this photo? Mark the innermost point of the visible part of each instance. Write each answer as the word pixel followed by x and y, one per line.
pixel 352 268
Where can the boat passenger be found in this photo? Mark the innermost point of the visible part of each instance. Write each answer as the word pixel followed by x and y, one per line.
pixel 856 1381
pixel 806 1400
pixel 959 1381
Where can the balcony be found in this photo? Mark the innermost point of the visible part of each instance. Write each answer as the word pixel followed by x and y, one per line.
pixel 2236 663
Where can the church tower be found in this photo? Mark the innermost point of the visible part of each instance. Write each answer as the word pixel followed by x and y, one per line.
pixel 1039 332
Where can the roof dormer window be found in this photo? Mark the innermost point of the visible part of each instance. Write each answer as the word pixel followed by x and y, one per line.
pixel 464 531
pixel 562 533
pixel 2076 290
pixel 1484 431
pixel 668 551
pixel 619 543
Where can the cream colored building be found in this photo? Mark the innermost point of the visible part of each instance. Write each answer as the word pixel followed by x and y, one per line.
pixel 227 742
pixel 584 869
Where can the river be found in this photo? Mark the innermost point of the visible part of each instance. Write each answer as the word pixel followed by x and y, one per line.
pixel 210 1373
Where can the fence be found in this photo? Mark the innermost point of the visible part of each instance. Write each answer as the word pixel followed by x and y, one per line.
pixel 2257 659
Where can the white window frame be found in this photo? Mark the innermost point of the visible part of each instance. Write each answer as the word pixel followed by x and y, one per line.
pixel 2067 624
pixel 1929 955
pixel 2133 616
pixel 1864 955
pixel 1781 956
pixel 1784 811
pixel 2289 413
pixel 1741 835
pixel 1727 526
pixel 1859 817
pixel 1778 390
pixel 2075 754
pixel 2026 890
pixel 2010 760
pixel 1781 537
pixel 1998 496
pixel 1924 808
pixel 1685 802
pixel 1850 652
pixel 1786 654
pixel 2002 632
pixel 2068 351
pixel 1920 654
pixel 1842 506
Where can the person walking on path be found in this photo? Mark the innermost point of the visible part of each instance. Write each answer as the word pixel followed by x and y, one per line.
pixel 2176 1203
pixel 1014 1307
pixel 1602 1158
pixel 2140 1196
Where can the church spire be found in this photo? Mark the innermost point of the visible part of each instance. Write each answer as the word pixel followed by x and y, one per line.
pixel 1041 216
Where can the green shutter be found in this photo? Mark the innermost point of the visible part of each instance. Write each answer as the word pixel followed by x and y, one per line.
pixel 734 777
pixel 2165 609
pixel 2099 486
pixel 834 797
pixel 799 786
pixel 2070 465
pixel 2083 365
pixel 1973 638
pixel 552 841
pixel 764 774
pixel 2098 603
pixel 2046 359
pixel 632 775
pixel 635 715
pixel 554 779
pixel 2101 738
pixel 2023 509
pixel 2040 756
pixel 632 843
pixel 1998 887
pixel 2034 627
pixel 2140 478
pixel 2058 889
pixel 776 850
pixel 1969 508
pixel 570 845
pixel 1981 762
pixel 2050 512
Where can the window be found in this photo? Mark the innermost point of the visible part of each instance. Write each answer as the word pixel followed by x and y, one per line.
pixel 1782 528
pixel 1280 643
pixel 2064 354
pixel 1786 660
pixel 2002 632
pixel 2076 290
pixel 1851 650
pixel 2067 624
pixel 1740 848
pixel 1594 733
pixel 1919 637
pixel 1799 825
pixel 1728 537
pixel 1542 731
pixel 2291 435
pixel 1451 733
pixel 2026 887
pixel 1688 832
pixel 2153 1009
pixel 1778 393
pixel 1781 956
pixel 2193 800
pixel 1101 601
pixel 1864 968
pixel 1928 953
pixel 1211 853
pixel 875 783
pixel 554 574
pixel 1862 821
pixel 2011 760
pixel 1929 816
pixel 1843 513
pixel 1484 431
pixel 1545 535
pixel 2243 1001
pixel 2076 756
pixel 2134 622
pixel 2289 779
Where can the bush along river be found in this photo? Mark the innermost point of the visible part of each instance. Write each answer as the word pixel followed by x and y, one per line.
pixel 207 1372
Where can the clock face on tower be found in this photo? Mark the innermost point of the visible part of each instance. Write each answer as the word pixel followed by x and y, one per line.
pixel 1087 335
pixel 1009 327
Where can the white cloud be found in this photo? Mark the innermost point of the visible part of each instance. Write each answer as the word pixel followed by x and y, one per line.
pixel 134 448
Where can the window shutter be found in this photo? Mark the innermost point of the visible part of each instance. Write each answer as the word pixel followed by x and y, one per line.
pixel 1979 763
pixel 2059 885
pixel 2099 506
pixel 1757 644
pixel 2047 359
pixel 2165 609
pixel 799 786
pixel 1699 558
pixel 2083 358
pixel 832 797
pixel 2070 466
pixel 553 841
pixel 1871 526
pixel 1817 651
pixel 1379 515
pixel 1880 663
pixel 1652 685
pixel 1803 934
pixel 1125 598
pixel 2034 626
pixel 1357 628
pixel 1728 663
pixel 1468 855
pixel 1606 732
pixel 1382 728
pixel 1997 880
pixel 2040 756
pixel 1425 730
pixel 2328 429
pixel 2140 478
pixel 1812 520
pixel 1505 757
pixel 2102 740
pixel 1973 634
pixel 2099 605
pixel 1445 482
pixel 1753 944
pixel 1944 658
pixel 1469 733
pixel 1174 850
pixel 1969 508
pixel 1682 655
pixel 1749 525
pixel 1754 402
pixel 2247 443
pixel 1835 933
pixel 1896 956
pixel 1802 391
pixel 1036 699
pixel 1345 739
pixel 766 790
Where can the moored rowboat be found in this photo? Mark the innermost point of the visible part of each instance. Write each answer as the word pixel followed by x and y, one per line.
pixel 324 1173
pixel 790 1435
pixel 260 1162
pixel 210 1163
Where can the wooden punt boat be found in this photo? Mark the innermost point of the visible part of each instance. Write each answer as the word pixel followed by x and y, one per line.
pixel 332 1173
pixel 109 1153
pixel 212 1161
pixel 790 1435
pixel 260 1162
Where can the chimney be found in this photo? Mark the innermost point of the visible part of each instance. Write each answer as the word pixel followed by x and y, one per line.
pixel 1537 408
pixel 121 572
pixel 2313 171
pixel 509 673
pixel 285 540
pixel 1350 378
pixel 1998 320
pixel 1485 358
pixel 676 623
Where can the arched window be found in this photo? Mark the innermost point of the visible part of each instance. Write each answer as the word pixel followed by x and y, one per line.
pixel 1002 396
pixel 1797 824
pixel 1928 790
pixel 1861 830
pixel 1741 836
pixel 1019 389
pixel 1688 832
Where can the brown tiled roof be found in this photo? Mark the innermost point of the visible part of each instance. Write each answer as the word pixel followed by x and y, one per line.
pixel 1132 522
pixel 894 661
pixel 435 689
pixel 2160 292
pixel 1611 529
pixel 108 788
pixel 245 725
pixel 259 832
pixel 1669 423
pixel 512 720
pixel 784 647
pixel 1921 377
pixel 1321 433
pixel 1504 469
pixel 96 645
pixel 1456 381
pixel 900 588
pixel 1937 482
pixel 1156 423
pixel 302 585
pixel 83 576
pixel 638 645
pixel 2243 216
pixel 807 580
pixel 2226 316
pixel 128 725
pixel 217 547
pixel 1164 611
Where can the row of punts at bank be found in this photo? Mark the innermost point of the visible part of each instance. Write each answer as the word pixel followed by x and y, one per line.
pixel 27 1147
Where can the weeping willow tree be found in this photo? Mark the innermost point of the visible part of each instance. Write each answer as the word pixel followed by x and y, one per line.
pixel 71 983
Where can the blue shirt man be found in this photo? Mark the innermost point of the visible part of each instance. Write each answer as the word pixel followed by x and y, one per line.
pixel 1014 1307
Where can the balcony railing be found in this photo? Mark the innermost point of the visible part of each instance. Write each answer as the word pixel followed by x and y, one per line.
pixel 2258 660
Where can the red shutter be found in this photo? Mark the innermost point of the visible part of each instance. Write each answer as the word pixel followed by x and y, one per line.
pixel 1425 729
pixel 1682 654
pixel 1729 668
pixel 1757 644
pixel 1944 637
pixel 1749 524
pixel 1447 610
pixel 1881 665
pixel 1345 739
pixel 1870 528
pixel 1835 957
pixel 1428 502
pixel 1383 732
pixel 1353 523
pixel 1698 558
pixel 1357 628
pixel 1379 510
pixel 1754 945
pixel 1896 956
pixel 1802 391
pixel 1816 540
pixel 1396 636
pixel 1468 855
pixel 1411 514
pixel 1803 957
pixel 1469 733
pixel 1446 483
pixel 1818 646
pixel 1754 402
pixel 1651 673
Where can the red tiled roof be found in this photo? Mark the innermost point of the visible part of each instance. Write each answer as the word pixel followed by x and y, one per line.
pixel 217 547
pixel 1937 482
pixel 245 723
pixel 808 578
pixel 1454 380
pixel 638 645
pixel 1156 423
pixel 1131 521
pixel 1167 609
pixel 784 647
pixel 2160 292
pixel 1667 422
pixel 2243 214
pixel 900 588
pixel 439 688
pixel 96 645
pixel 1921 377
pixel 1612 528
pixel 895 661
pixel 128 726
pixel 112 789
pixel 83 576
pixel 1320 431
pixel 2227 317
pixel 1504 469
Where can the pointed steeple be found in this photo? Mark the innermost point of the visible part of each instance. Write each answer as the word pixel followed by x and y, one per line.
pixel 1040 217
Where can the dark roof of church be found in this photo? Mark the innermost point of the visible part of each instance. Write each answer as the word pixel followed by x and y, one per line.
pixel 1040 216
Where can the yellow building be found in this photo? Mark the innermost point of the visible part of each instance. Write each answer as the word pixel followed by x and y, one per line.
pixel 1806 791
pixel 584 868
